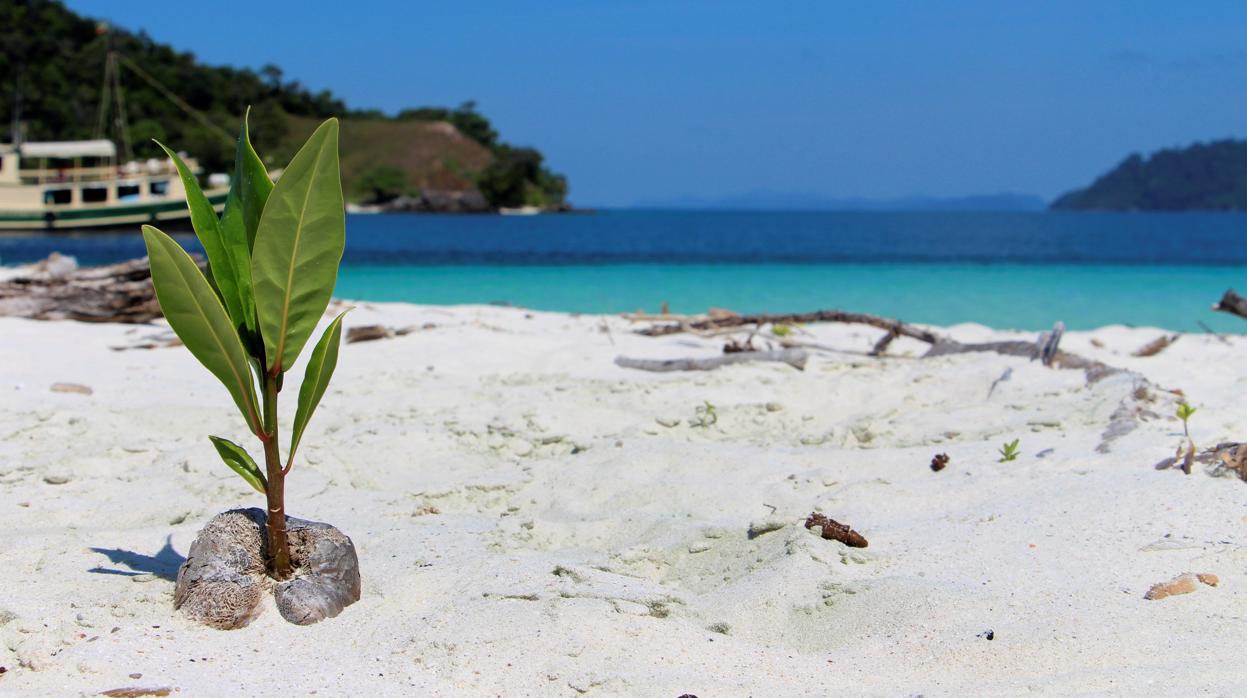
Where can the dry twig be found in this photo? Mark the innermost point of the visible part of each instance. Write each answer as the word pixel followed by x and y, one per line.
pixel 1157 345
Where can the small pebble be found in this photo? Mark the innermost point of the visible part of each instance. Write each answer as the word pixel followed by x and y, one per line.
pixel 56 478
pixel 1181 584
pixel 75 388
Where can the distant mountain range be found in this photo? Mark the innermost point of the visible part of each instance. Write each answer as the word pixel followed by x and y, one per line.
pixel 764 200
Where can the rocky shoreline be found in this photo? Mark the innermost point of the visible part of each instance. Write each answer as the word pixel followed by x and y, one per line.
pixel 445 201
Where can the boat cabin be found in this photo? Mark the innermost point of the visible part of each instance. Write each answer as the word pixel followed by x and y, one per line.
pixel 40 176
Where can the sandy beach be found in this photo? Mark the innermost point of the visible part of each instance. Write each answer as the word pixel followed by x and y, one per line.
pixel 533 520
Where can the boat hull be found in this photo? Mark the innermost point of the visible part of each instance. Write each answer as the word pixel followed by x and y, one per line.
pixel 103 218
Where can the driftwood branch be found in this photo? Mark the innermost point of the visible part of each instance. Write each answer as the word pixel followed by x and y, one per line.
pixel 714 323
pixel 793 357
pixel 1060 359
pixel 1220 337
pixel 1232 303
pixel 56 289
pixel 1224 458
pixel 882 345
pixel 1046 348
pixel 1157 345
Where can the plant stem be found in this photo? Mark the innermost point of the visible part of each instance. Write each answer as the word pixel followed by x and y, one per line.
pixel 278 548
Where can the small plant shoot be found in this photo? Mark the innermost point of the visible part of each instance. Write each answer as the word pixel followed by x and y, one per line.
pixel 1009 451
pixel 273 258
pixel 1184 413
pixel 705 415
pixel 1188 460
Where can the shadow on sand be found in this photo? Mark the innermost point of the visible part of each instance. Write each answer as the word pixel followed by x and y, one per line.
pixel 163 564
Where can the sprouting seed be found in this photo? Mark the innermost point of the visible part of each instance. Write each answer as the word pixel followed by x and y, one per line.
pixel 1009 451
pixel 706 415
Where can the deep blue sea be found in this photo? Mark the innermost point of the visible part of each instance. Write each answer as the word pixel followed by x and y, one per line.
pixel 1009 270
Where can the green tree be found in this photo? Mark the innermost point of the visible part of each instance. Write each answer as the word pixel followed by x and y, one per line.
pixel 381 184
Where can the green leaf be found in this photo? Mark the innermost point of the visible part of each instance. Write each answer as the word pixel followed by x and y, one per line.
pixel 315 379
pixel 251 185
pixel 249 189
pixel 207 228
pixel 298 246
pixel 237 458
pixel 196 315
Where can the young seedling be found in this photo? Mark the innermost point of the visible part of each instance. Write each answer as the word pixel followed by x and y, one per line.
pixel 1009 451
pixel 1184 413
pixel 706 415
pixel 273 260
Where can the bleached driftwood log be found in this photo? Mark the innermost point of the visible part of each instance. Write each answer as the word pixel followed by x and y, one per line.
pixel 57 289
pixel 793 357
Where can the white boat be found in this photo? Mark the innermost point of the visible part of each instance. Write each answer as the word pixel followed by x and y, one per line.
pixel 520 211
pixel 75 185
pixel 71 185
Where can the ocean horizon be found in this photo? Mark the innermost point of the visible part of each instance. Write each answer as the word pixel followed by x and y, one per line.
pixel 1009 270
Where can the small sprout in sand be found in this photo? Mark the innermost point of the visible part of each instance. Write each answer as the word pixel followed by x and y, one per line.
pixel 1009 451
pixel 781 330
pixel 706 415
pixel 1184 413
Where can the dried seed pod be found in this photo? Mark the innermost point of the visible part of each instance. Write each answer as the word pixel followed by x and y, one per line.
pixel 223 581
pixel 834 530
pixel 939 462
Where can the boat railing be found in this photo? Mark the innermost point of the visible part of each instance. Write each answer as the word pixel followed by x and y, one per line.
pixel 75 175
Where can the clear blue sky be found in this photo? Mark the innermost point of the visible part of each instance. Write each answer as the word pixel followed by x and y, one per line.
pixel 645 100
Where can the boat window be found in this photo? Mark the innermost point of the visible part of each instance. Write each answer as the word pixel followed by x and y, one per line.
pixel 94 195
pixel 128 192
pixel 159 187
pixel 58 197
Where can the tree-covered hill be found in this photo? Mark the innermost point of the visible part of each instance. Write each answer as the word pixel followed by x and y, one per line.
pixel 53 60
pixel 1204 176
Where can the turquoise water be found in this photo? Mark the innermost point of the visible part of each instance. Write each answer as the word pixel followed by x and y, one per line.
pixel 1009 270
pixel 1019 296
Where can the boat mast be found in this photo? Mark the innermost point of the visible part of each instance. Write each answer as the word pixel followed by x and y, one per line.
pixel 112 98
pixel 15 135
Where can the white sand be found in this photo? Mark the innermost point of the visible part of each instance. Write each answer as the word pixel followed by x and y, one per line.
pixel 526 526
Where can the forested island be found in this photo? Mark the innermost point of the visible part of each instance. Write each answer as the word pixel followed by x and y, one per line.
pixel 52 62
pixel 1204 176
